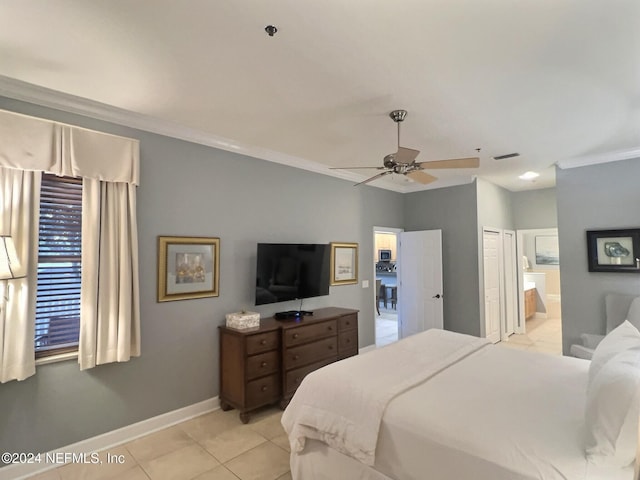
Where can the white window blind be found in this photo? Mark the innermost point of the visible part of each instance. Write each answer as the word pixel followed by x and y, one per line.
pixel 59 265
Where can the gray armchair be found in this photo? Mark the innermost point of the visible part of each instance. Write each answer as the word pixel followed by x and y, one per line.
pixel 618 308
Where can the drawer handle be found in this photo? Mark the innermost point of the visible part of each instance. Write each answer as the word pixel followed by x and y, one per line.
pixel 330 347
pixel 296 357
pixel 263 342
pixel 263 364
pixel 264 388
pixel 329 328
pixel 348 340
pixel 295 335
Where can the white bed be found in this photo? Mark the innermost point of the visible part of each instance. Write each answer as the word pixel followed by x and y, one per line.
pixel 446 406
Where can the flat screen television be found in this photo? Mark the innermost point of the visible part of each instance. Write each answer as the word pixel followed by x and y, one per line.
pixel 290 271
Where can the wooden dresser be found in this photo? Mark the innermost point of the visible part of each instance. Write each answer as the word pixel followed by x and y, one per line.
pixel 330 334
pixel 265 365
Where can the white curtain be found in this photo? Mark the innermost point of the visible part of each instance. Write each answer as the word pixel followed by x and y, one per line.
pixel 109 167
pixel 110 309
pixel 19 205
pixel 30 143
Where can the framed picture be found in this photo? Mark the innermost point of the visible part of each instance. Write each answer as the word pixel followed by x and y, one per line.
pixel 344 263
pixel 188 267
pixel 547 251
pixel 614 250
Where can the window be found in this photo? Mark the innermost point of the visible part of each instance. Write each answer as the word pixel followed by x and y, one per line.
pixel 59 266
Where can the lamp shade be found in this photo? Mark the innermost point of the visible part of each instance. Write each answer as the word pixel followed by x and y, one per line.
pixel 9 262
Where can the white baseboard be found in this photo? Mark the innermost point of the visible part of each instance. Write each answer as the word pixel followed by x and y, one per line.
pixel 368 348
pixel 113 438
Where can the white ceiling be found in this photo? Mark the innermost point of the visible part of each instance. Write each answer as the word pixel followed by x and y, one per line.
pixel 556 80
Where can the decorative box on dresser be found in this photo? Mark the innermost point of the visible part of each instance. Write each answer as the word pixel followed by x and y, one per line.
pixel 264 365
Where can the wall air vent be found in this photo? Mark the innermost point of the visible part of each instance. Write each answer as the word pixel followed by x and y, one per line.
pixel 508 155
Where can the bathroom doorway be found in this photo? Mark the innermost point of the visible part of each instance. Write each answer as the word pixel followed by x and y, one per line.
pixel 539 321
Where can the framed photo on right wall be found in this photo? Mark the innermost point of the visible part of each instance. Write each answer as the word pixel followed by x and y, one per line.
pixel 614 250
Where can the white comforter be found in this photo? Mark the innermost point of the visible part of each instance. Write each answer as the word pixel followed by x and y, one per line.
pixel 347 415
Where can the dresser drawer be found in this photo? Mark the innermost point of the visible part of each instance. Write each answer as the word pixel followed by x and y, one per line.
pixel 348 341
pixel 348 322
pixel 312 352
pixel 262 342
pixel 263 391
pixel 293 378
pixel 299 335
pixel 262 364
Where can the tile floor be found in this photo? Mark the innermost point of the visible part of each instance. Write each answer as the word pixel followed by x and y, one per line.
pixel 543 334
pixel 386 327
pixel 217 446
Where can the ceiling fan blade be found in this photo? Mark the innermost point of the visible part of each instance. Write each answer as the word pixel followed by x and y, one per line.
pixel 421 177
pixel 472 162
pixel 354 168
pixel 375 177
pixel 406 155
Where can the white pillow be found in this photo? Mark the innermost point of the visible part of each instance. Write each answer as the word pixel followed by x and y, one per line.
pixel 623 337
pixel 613 411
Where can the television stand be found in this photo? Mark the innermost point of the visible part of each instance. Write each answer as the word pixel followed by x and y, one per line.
pixel 289 314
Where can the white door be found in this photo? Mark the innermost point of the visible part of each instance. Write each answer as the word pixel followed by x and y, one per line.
pixel 420 281
pixel 492 312
pixel 510 283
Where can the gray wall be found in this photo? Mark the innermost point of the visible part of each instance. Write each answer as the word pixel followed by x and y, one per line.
pixel 452 210
pixel 193 190
pixel 605 196
pixel 534 209
pixel 494 207
pixel 494 210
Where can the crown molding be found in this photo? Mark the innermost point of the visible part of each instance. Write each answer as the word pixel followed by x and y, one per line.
pixel 586 160
pixel 28 92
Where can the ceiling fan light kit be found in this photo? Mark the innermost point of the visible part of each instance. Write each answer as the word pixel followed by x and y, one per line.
pixel 403 162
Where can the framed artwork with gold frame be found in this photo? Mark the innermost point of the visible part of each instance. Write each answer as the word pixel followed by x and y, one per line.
pixel 344 263
pixel 188 267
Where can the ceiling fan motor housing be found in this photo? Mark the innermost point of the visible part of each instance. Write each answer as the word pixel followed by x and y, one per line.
pixel 389 161
pixel 398 115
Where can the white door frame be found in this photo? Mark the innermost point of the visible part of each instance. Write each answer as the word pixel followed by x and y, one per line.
pixel 521 325
pixel 510 270
pixel 395 231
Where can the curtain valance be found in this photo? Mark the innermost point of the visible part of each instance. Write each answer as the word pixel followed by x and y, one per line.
pixel 35 144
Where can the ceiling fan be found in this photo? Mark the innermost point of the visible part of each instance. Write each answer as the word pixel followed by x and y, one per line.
pixel 403 161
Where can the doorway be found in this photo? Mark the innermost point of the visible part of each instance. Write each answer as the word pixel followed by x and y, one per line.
pixel 385 268
pixel 539 321
pixel 408 292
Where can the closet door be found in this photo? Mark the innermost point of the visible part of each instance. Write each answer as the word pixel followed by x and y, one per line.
pixel 493 272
